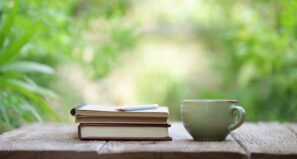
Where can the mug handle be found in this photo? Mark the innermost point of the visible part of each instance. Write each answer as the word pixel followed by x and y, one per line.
pixel 240 119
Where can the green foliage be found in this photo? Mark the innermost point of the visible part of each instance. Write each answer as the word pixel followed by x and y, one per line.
pixel 252 44
pixel 121 38
pixel 163 87
pixel 21 99
pixel 66 26
pixel 257 46
pixel 91 35
pixel 26 67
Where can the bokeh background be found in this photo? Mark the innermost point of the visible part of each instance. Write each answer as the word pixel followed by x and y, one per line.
pixel 56 54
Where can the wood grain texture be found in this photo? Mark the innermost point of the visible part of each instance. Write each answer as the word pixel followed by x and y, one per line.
pixel 47 141
pixel 267 141
pixel 292 127
pixel 54 141
pixel 182 146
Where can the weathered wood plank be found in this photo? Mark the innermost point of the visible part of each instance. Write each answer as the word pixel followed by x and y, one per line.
pixel 263 140
pixel 267 141
pixel 46 141
pixel 182 146
pixel 293 127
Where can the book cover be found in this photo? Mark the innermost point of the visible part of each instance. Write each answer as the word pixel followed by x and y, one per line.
pixel 126 132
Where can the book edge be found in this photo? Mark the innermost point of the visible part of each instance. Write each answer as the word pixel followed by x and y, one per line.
pixel 73 110
pixel 127 139
pixel 124 125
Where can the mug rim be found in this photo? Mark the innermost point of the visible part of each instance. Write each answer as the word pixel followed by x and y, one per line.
pixel 209 100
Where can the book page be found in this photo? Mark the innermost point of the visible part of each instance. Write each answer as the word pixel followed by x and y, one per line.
pixel 113 109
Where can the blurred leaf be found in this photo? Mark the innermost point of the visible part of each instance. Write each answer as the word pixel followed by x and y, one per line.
pixel 26 66
pixel 33 87
pixel 14 48
pixel 246 73
pixel 32 110
pixel 26 90
pixel 7 24
pixel 40 90
pixel 4 114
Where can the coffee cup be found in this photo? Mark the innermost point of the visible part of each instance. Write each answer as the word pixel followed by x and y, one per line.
pixel 211 120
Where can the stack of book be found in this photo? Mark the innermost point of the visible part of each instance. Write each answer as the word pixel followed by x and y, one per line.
pixel 108 123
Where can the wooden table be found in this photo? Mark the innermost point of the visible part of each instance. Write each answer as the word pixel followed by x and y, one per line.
pixel 250 141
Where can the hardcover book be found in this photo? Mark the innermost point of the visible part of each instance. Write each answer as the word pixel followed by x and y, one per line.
pixel 126 120
pixel 158 132
pixel 108 123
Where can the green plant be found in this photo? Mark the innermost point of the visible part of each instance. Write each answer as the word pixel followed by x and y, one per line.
pixel 21 99
pixel 89 35
pixel 71 29
pixel 67 31
pixel 257 47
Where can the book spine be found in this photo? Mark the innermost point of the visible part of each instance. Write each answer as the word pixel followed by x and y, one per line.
pixel 79 131
pixel 73 110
